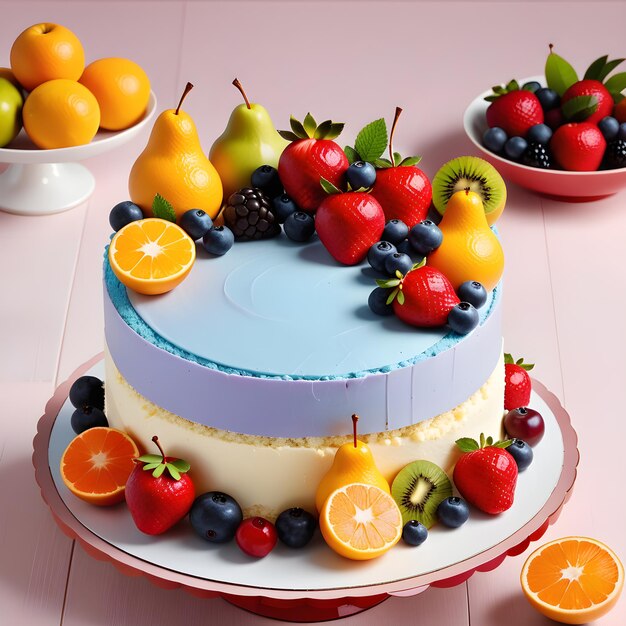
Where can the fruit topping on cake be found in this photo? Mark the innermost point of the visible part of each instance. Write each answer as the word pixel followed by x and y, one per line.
pixel 418 489
pixel 296 527
pixel 486 474
pixel 425 237
pixel 249 215
pixel 299 226
pixel 524 423
pixel 159 492
pixel 311 155
pixel 196 223
pixel 453 512
pixel 87 417
pixel 522 453
pixel 414 533
pixel 256 536
pixel 215 516
pixel 248 143
pixel 517 382
pixel 218 240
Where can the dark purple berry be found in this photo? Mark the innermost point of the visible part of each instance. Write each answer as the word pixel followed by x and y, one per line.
pixel 463 318
pixel 494 139
pixel 218 241
pixel 87 391
pixel 414 533
pixel 473 292
pixel 398 262
pixel 299 226
pixel 378 253
pixel 215 516
pixel 377 301
pixel 453 512
pixel 395 232
pixel 87 417
pixel 124 213
pixel 425 237
pixel 521 452
pixel 266 179
pixel 196 223
pixel 284 206
pixel 361 174
pixel 295 527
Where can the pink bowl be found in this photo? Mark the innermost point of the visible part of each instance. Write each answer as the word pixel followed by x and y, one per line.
pixel 568 186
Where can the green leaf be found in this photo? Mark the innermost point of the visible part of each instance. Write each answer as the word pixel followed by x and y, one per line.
pixel 617 83
pixel 352 155
pixel 512 85
pixel 491 98
pixel 392 295
pixel 159 470
pixel 508 359
pixel 182 466
pixel 466 444
pixel 579 108
pixel 322 130
pixel 151 466
pixel 489 440
pixel 382 164
pixel 410 161
pixel 309 125
pixel 560 75
pixel 387 283
pixel 609 67
pixel 482 440
pixel 419 264
pixel 399 274
pixel 372 140
pixel 617 97
pixel 288 135
pixel 527 366
pixel 397 159
pixel 297 127
pixel 499 90
pixel 328 187
pixel 503 444
pixel 401 296
pixel 150 458
pixel 174 473
pixel 594 70
pixel 162 209
pixel 335 130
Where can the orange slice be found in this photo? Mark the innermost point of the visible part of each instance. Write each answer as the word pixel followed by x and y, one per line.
pixel 360 521
pixel 573 580
pixel 151 256
pixel 97 463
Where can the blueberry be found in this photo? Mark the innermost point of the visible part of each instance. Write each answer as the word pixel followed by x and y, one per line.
pixel 522 453
pixel 473 292
pixel 532 85
pixel 361 174
pixel 87 391
pixel 621 134
pixel 219 240
pixel 453 512
pixel 539 133
pixel 87 417
pixel 124 213
pixel 548 98
pixel 196 223
pixel 295 527
pixel 406 248
pixel 266 179
pixel 299 226
pixel 414 533
pixel 609 127
pixel 395 231
pixel 494 139
pixel 377 301
pixel 425 237
pixel 284 206
pixel 515 147
pixel 378 253
pixel 463 318
pixel 215 516
pixel 398 262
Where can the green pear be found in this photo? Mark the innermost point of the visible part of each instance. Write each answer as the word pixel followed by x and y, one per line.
pixel 249 141
pixel 11 102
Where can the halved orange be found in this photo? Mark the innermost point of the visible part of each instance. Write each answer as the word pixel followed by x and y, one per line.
pixel 360 521
pixel 97 463
pixel 151 256
pixel 573 580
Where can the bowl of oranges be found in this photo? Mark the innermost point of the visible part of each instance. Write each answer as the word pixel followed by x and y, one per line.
pixel 56 110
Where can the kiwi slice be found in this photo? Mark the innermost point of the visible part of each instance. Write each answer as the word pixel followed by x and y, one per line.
pixel 475 174
pixel 418 489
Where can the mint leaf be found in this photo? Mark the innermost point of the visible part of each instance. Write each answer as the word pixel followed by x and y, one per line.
pixel 181 465
pixel 162 209
pixel 580 108
pixel 410 161
pixel 466 444
pixel 150 458
pixel 372 140
pixel 617 83
pixel 309 124
pixel 352 155
pixel 560 75
pixel 594 70
pixel 328 187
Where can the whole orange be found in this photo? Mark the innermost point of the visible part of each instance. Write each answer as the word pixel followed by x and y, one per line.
pixel 61 113
pixel 44 52
pixel 122 90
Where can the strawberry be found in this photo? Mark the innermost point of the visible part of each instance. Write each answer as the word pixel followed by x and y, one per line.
pixel 601 105
pixel 349 224
pixel 513 109
pixel 311 156
pixel 422 297
pixel 160 498
pixel 578 146
pixel 486 474
pixel 517 384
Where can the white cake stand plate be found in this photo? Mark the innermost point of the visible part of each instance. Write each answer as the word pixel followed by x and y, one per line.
pixel 312 584
pixel 41 182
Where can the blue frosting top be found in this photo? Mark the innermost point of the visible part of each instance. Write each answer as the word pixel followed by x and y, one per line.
pixel 276 309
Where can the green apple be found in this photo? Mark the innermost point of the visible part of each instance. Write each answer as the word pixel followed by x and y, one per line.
pixel 249 141
pixel 11 102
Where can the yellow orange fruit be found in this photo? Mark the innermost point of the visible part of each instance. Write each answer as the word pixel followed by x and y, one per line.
pixel 151 256
pixel 61 113
pixel 97 463
pixel 360 521
pixel 44 52
pixel 573 580
pixel 121 88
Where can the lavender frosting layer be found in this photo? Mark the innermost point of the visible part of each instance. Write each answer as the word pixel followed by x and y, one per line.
pixel 291 402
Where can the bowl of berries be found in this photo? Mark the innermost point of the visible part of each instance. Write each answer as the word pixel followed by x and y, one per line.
pixel 556 134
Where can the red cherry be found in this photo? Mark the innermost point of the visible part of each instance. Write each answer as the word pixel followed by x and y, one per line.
pixel 526 424
pixel 256 536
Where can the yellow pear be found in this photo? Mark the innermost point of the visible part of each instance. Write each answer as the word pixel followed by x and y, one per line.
pixel 469 250
pixel 174 165
pixel 353 463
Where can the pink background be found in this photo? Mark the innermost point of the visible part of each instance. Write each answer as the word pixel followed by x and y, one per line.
pixel 354 61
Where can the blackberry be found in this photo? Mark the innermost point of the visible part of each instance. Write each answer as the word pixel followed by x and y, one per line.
pixel 615 155
pixel 248 214
pixel 537 155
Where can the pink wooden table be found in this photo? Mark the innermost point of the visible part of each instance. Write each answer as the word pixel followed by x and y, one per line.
pixel 354 61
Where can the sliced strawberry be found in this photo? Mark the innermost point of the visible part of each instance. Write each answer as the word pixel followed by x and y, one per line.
pixel 517 383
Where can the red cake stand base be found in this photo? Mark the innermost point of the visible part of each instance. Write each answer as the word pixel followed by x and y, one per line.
pixel 317 602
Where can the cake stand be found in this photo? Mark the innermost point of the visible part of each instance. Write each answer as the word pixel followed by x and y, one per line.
pixel 312 584
pixel 40 182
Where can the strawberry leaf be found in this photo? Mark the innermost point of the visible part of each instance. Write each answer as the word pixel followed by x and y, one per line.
pixel 410 161
pixel 372 140
pixel 382 164
pixel 309 124
pixel 392 295
pixel 617 83
pixel 174 473
pixel 503 444
pixel 581 107
pixel 400 296
pixel 162 209
pixel 150 458
pixel 352 155
pixel 159 470
pixel 181 465
pixel 399 274
pixel 560 75
pixel 527 366
pixel 297 127
pixel 335 130
pixel 397 159
pixel 499 90
pixel 482 440
pixel 594 70
pixel 512 85
pixel 508 359
pixel 466 444
pixel 288 135
pixel 322 130
pixel 419 264
pixel 491 98
pixel 151 466
pixel 489 440
pixel 387 283
pixel 328 187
